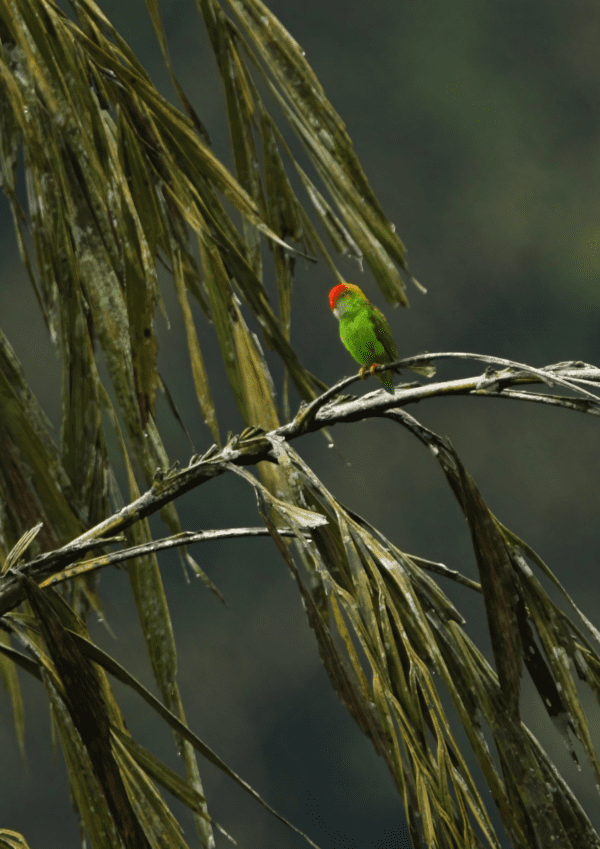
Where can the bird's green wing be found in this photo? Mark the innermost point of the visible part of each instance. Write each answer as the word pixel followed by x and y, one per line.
pixel 384 335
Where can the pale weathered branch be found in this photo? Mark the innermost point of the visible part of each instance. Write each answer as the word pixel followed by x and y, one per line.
pixel 254 445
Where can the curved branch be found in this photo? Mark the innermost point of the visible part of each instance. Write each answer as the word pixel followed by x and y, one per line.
pixel 254 445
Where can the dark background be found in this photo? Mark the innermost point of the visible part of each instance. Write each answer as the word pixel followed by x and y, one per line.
pixel 477 125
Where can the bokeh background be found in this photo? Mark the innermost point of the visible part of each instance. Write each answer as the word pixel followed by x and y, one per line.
pixel 478 127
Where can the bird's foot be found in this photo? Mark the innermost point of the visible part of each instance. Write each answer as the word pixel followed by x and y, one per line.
pixel 365 371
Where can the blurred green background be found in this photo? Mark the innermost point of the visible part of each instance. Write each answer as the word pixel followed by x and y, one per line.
pixel 478 127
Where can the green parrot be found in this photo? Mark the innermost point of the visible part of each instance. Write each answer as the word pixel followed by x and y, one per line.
pixel 365 332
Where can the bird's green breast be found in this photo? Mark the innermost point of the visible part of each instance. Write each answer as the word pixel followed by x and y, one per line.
pixel 358 335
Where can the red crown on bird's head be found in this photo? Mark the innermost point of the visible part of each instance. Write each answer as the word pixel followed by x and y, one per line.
pixel 340 289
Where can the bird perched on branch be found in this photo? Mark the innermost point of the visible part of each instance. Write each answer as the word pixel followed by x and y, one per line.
pixel 365 332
